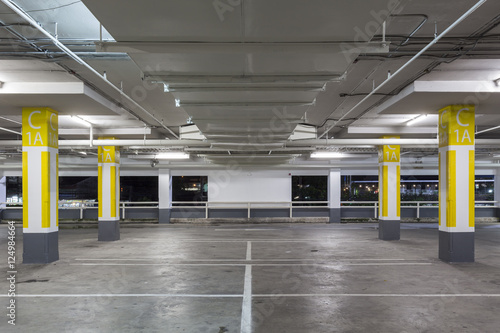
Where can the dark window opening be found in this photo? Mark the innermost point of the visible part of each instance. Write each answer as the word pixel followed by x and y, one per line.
pixel 310 188
pixel 190 188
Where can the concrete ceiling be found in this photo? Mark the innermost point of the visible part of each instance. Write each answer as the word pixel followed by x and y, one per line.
pixel 248 72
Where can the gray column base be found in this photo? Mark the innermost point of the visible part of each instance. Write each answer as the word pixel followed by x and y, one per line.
pixel 335 215
pixel 40 248
pixel 164 215
pixel 456 246
pixel 108 231
pixel 389 230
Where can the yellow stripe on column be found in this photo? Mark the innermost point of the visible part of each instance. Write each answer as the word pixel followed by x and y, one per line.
pixel 25 189
pixel 57 189
pixel 118 189
pixel 99 190
pixel 380 191
pixel 45 189
pixel 451 189
pixel 398 191
pixel 472 189
pixel 385 203
pixel 440 184
pixel 112 174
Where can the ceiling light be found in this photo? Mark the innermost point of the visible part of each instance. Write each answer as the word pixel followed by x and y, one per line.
pixel 326 154
pixel 172 156
pixel 416 120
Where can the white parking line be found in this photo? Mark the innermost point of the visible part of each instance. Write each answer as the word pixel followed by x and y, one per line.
pixel 246 306
pixel 242 296
pixel 334 264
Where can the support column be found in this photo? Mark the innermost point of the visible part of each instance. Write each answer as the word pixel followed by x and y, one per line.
pixel 164 195
pixel 334 192
pixel 40 186
pixel 389 192
pixel 496 189
pixel 456 183
pixel 109 192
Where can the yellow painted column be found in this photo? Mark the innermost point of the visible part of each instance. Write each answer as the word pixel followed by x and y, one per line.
pixel 40 185
pixel 109 192
pixel 456 183
pixel 389 159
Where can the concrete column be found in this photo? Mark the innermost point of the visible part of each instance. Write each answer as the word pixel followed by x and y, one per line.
pixel 109 192
pixel 456 183
pixel 164 195
pixel 3 194
pixel 334 192
pixel 496 190
pixel 40 186
pixel 389 192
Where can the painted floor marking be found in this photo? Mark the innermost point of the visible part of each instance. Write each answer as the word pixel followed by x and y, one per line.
pixel 246 306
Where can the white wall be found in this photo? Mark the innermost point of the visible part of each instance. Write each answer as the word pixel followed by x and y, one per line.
pixel 249 186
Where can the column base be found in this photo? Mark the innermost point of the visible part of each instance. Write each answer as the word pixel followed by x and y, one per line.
pixel 40 248
pixel 164 215
pixel 108 231
pixel 456 246
pixel 389 230
pixel 335 215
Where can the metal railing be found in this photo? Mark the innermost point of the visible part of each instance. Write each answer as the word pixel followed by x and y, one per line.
pixel 83 205
pixel 248 206
pixel 410 204
pixel 289 205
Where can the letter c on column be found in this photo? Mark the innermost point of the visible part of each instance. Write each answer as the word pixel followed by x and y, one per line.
pixel 29 120
pixel 51 123
pixel 458 117
pixel 441 119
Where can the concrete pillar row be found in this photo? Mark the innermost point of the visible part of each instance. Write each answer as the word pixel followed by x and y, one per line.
pixel 456 183
pixel 40 185
pixel 164 195
pixel 389 159
pixel 109 192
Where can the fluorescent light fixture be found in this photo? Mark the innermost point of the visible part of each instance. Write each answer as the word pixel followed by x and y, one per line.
pixel 326 154
pixel 172 156
pixel 81 121
pixel 416 120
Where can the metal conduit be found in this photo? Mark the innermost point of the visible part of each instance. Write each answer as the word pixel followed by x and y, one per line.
pixel 19 11
pixel 436 39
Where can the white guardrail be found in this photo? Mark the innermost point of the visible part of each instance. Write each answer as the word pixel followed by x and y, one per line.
pixel 289 205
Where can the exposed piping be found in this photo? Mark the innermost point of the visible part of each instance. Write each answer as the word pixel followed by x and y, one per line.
pixel 434 41
pixel 9 130
pixel 138 143
pixel 19 11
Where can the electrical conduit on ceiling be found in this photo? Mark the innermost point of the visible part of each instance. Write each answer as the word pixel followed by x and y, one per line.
pixel 19 11
pixel 436 39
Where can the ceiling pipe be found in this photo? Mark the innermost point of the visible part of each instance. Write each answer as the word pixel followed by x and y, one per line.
pixel 9 130
pixel 434 41
pixel 431 143
pixel 19 11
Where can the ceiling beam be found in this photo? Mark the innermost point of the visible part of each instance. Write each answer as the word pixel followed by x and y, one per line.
pixel 231 48
pixel 106 131
pixel 172 78
pixel 391 130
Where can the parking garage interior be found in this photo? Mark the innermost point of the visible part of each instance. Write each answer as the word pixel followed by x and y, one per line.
pixel 249 166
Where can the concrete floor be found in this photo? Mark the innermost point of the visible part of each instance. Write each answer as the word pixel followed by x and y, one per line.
pixel 265 278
